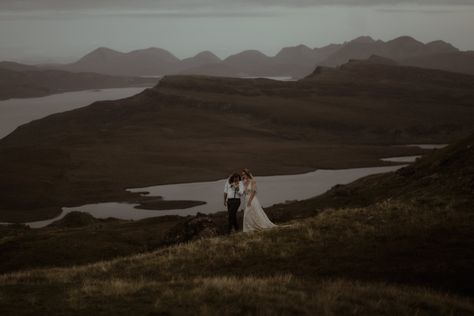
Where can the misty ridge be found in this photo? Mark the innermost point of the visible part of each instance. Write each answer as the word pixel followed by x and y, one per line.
pixel 294 62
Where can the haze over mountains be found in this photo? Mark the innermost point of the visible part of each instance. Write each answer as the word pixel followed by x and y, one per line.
pixel 297 61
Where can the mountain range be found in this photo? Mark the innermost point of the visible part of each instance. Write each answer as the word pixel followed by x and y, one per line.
pixel 295 62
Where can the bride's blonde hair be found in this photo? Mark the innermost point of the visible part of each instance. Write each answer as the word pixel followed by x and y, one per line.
pixel 248 173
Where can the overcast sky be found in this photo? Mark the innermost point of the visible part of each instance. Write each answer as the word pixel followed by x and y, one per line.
pixel 64 30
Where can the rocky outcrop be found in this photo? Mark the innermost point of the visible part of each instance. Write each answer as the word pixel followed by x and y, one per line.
pixel 196 227
pixel 75 219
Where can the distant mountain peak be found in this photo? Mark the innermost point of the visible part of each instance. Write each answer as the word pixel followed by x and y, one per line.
pixel 100 54
pixel 205 53
pixel 152 51
pixel 296 52
pixel 149 51
pixel 153 55
pixel 363 40
pixel 153 48
pixel 251 52
pixel 302 47
pixel 251 55
pixel 208 55
pixel 104 50
pixel 199 61
pixel 405 40
pixel 442 46
pixel 330 46
pixel 438 42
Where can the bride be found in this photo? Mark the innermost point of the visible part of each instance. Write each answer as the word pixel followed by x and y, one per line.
pixel 254 216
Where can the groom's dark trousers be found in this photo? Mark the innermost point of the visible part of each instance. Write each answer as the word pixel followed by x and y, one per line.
pixel 232 208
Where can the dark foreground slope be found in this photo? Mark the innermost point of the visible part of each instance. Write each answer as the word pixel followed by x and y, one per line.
pixel 80 239
pixel 201 128
pixel 394 257
pixel 27 82
pixel 375 261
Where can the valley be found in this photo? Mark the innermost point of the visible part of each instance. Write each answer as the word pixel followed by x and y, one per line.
pixel 194 128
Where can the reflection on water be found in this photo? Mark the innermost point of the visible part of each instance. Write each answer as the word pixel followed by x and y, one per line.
pixel 277 78
pixel 404 159
pixel 16 112
pixel 271 190
pixel 409 159
pixel 428 146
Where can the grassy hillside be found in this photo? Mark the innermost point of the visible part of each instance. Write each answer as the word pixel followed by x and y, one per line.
pixel 80 240
pixel 397 255
pixel 378 260
pixel 443 178
pixel 395 244
pixel 201 128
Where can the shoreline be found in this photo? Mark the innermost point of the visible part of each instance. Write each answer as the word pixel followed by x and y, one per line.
pixel 126 195
pixel 59 92
pixel 160 206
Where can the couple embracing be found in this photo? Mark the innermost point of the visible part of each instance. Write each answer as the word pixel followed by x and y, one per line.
pixel 244 185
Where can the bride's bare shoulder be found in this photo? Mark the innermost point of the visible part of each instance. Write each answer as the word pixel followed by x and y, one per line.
pixel 254 182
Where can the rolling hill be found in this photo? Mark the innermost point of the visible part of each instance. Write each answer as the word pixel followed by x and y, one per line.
pixel 144 62
pixel 201 59
pixel 14 66
pixel 22 81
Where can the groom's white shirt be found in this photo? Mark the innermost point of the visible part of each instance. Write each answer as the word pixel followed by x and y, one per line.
pixel 231 193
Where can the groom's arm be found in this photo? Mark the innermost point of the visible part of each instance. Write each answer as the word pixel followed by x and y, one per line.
pixel 226 187
pixel 241 188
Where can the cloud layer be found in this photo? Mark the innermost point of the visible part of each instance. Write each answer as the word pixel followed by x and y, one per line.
pixel 65 5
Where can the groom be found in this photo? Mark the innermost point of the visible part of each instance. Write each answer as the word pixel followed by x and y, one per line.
pixel 233 191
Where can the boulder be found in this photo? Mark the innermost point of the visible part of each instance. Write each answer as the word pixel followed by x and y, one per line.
pixel 196 227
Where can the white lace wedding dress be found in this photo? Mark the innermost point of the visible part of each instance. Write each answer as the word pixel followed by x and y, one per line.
pixel 254 216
